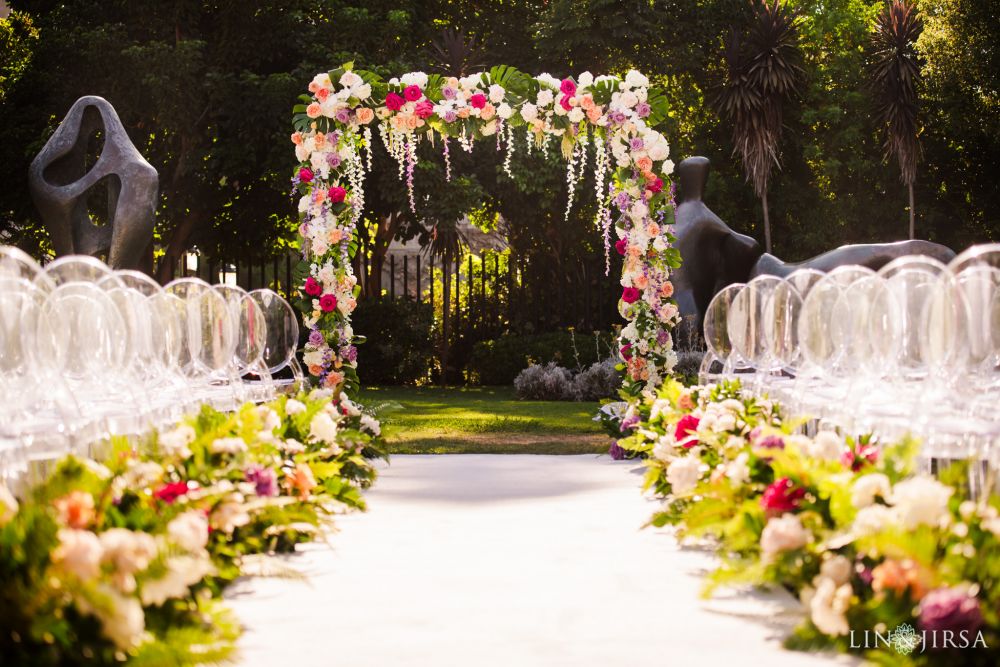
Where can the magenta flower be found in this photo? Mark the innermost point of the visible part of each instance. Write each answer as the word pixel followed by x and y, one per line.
pixel 656 185
pixel 687 427
pixel 478 101
pixel 264 479
pixel 312 288
pixel 621 246
pixel 567 87
pixel 626 351
pixel 394 102
pixel 782 496
pixel 772 442
pixel 630 294
pixel 615 451
pixel 327 303
pixel 305 175
pixel 564 102
pixel 952 609
pixel 424 109
pixel 337 194
pixel 412 93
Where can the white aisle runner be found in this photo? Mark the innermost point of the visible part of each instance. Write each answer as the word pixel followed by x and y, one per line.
pixel 506 560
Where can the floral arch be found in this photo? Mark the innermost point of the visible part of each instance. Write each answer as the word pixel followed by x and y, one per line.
pixel 333 144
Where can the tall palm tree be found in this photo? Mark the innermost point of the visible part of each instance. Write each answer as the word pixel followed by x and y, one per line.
pixel 763 71
pixel 895 75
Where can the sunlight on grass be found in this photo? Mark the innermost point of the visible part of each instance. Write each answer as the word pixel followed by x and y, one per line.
pixel 458 420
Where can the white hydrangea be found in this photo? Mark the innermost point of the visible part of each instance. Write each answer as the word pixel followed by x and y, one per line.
pixel 505 111
pixel 228 446
pixel 175 442
pixel 189 531
pixel 576 114
pixel 294 407
pixel 545 97
pixel 872 520
pixel 350 79
pixel 585 80
pixel 547 80
pixel 370 424
pixel 414 79
pixel 636 80
pixel 683 474
pixel 828 607
pixel 738 470
pixel 783 533
pixel 921 500
pixel 323 428
pixel 868 487
pixel 496 93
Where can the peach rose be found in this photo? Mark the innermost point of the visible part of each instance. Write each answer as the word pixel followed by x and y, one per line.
pixel 641 281
pixel 301 480
pixel 452 82
pixel 76 509
pixel 594 115
pixel 313 110
pixel 634 251
pixel 487 112
pixel 297 138
pixel 684 401
pixel 322 94
pixel 399 122
pixel 644 163
pixel 587 102
pixel 898 576
pixel 320 140
pixel 313 86
pixel 464 112
pixel 336 234
pixel 412 122
pixel 334 379
pixel 667 290
pixel 653 229
pixel 315 370
pixel 365 115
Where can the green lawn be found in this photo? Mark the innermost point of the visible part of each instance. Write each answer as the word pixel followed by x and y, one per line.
pixel 485 420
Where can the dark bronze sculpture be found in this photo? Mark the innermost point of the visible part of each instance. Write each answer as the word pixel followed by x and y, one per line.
pixel 713 255
pixel 59 181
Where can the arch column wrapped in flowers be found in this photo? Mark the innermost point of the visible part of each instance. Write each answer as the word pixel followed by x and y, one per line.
pixel 333 142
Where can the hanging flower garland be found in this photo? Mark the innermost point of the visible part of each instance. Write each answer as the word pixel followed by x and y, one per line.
pixel 616 115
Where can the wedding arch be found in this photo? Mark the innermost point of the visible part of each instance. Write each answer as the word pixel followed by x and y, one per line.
pixel 631 164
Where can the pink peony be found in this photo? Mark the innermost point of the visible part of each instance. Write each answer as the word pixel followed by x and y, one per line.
pixel 567 87
pixel 626 351
pixel 687 427
pixel 621 246
pixel 630 295
pixel 781 496
pixel 312 288
pixel 424 109
pixel 305 174
pixel 394 102
pixel 412 93
pixel 656 185
pixel 478 101
pixel 327 303
pixel 337 194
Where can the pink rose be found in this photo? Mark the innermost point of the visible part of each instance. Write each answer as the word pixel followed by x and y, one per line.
pixel 565 103
pixel 412 93
pixel 686 427
pixel 478 101
pixel 424 109
pixel 393 102
pixel 621 246
pixel 327 303
pixel 365 115
pixel 567 87
pixel 312 288
pixel 337 194
pixel 626 351
pixel 656 185
pixel 630 295
pixel 305 174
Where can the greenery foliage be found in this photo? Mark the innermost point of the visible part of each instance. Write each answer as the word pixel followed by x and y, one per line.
pixel 399 349
pixel 498 361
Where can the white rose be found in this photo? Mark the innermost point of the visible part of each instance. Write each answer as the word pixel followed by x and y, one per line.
pixel 628 99
pixel 547 79
pixel 414 79
pixel 189 530
pixel 348 79
pixel 490 128
pixel 293 407
pixel 175 442
pixel 182 573
pixel 228 446
pixel 79 552
pixel 362 92
pixel 665 448
pixel 585 80
pixel 921 500
pixel 323 429
pixel 545 97
pixel 635 80
pixel 872 520
pixel 738 470
pixel 496 93
pixel 322 80
pixel 783 533
pixel 827 445
pixel 868 487
pixel 683 474
pixel 837 568
pixel 576 114
pixel 302 154
pixel 639 211
pixel 658 151
pixel 668 167
pixel 313 358
pixel 828 607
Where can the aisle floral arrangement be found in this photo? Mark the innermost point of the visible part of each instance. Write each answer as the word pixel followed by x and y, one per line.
pixel 125 560
pixel 333 144
pixel 901 567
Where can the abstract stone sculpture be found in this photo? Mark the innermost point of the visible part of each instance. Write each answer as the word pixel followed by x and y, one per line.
pixel 713 255
pixel 60 181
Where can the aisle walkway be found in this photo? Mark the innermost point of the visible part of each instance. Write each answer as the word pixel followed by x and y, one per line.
pixel 505 560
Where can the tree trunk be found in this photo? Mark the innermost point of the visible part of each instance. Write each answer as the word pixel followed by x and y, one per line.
pixel 913 213
pixel 767 222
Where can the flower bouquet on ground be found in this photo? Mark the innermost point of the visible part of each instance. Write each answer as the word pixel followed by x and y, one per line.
pixel 126 559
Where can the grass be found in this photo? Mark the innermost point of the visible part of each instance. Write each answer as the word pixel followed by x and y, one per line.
pixel 485 420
